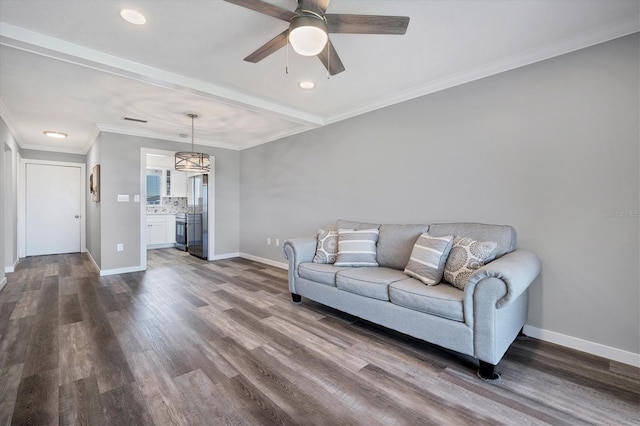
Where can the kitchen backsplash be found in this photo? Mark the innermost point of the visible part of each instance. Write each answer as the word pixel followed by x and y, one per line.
pixel 169 205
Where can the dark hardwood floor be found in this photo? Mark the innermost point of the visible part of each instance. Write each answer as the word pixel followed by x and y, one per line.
pixel 204 343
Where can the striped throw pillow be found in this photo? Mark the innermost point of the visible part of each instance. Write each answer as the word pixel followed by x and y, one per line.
pixel 428 258
pixel 357 247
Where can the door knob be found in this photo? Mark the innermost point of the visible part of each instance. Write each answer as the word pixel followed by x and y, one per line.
pixel 77 216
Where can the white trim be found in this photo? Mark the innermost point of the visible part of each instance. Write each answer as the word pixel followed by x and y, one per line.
pixel 93 261
pixel 22 199
pixel 3 283
pixel 160 246
pixel 10 269
pixel 269 262
pixel 104 272
pixel 224 256
pixel 593 348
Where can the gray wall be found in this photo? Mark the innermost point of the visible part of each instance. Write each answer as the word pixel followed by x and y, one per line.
pixel 551 148
pixel 119 157
pixel 92 211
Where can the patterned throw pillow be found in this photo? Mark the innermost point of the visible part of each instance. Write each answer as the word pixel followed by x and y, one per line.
pixel 327 246
pixel 465 257
pixel 357 247
pixel 428 258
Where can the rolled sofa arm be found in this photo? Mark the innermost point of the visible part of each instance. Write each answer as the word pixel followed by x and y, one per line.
pixel 297 251
pixel 517 270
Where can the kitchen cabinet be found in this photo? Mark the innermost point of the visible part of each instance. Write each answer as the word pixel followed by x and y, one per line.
pixel 156 229
pixel 171 228
pixel 178 184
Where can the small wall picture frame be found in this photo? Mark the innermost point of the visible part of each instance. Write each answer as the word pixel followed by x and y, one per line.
pixel 94 183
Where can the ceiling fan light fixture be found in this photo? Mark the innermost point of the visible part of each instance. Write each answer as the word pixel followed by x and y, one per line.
pixel 190 161
pixel 308 34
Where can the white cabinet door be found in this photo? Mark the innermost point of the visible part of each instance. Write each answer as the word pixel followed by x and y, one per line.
pixel 157 229
pixel 171 229
pixel 178 184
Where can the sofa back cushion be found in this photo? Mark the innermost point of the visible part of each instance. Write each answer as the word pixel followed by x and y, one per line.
pixel 504 235
pixel 396 243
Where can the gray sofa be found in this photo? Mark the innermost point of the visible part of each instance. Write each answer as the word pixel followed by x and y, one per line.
pixel 481 321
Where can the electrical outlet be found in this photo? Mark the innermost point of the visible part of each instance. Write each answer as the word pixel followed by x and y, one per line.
pixel 268 241
pixel 120 247
pixel 277 242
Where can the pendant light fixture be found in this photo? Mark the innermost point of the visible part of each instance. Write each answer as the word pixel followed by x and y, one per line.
pixel 190 161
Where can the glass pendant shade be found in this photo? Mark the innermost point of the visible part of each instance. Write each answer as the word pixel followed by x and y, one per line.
pixel 190 161
pixel 308 35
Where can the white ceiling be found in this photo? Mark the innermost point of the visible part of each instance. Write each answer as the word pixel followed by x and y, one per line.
pixel 77 67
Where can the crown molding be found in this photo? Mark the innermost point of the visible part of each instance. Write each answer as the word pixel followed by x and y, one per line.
pixel 48 148
pixel 600 35
pixel 37 43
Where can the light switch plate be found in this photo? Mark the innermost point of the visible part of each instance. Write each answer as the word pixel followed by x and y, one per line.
pixel 123 198
pixel 136 198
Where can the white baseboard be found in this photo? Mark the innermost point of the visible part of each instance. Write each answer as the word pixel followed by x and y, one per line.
pixel 10 269
pixel 105 272
pixel 160 246
pixel 270 262
pixel 3 282
pixel 224 256
pixel 592 348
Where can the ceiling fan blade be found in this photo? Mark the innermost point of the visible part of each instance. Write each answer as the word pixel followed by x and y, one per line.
pixel 266 8
pixel 331 61
pixel 367 24
pixel 269 47
pixel 317 6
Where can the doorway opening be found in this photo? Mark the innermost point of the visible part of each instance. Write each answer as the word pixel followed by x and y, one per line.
pixel 167 197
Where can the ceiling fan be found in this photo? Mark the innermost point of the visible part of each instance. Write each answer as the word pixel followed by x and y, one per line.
pixel 310 25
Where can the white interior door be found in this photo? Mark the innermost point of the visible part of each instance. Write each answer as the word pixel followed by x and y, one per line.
pixel 53 209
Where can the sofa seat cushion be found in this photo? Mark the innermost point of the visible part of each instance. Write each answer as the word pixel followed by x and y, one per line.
pixel 368 281
pixel 323 273
pixel 443 300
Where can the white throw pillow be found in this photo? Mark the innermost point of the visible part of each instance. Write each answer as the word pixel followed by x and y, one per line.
pixel 357 247
pixel 428 258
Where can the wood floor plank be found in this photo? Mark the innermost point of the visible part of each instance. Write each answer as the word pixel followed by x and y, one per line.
pixel 166 403
pixel 70 309
pixel 76 361
pixel 14 341
pixel 37 400
pixel 80 403
pixel 206 403
pixel 10 377
pixel 27 304
pixel 126 406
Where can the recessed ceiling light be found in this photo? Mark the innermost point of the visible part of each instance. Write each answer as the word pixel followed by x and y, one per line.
pixel 307 85
pixel 54 134
pixel 133 17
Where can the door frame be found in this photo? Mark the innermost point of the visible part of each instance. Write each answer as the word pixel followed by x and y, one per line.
pixel 211 193
pixel 22 201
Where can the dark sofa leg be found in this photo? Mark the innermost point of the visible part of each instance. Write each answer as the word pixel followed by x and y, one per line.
pixel 296 298
pixel 487 372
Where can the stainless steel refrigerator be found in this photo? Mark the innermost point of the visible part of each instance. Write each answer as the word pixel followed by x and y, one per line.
pixel 198 216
